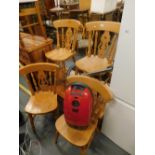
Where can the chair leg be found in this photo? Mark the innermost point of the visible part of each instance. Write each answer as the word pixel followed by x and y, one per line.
pixel 56 114
pixel 83 150
pixel 32 122
pixel 99 125
pixel 73 59
pixel 56 137
pixel 76 71
pixel 64 70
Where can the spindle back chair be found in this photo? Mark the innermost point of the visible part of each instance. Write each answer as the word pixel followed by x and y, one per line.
pixel 102 43
pixel 33 40
pixel 41 80
pixel 82 138
pixel 66 34
pixel 67 31
pixel 30 17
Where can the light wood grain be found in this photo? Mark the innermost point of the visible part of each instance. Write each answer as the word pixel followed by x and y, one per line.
pixel 101 46
pixel 32 47
pixel 38 67
pixel 41 79
pixel 41 102
pixel 84 4
pixel 82 138
pixel 76 137
pixel 103 25
pixel 34 42
pixel 60 54
pixel 67 23
pixel 92 63
pixel 94 84
pixel 67 30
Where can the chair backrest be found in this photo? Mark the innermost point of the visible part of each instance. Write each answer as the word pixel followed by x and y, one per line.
pixel 30 17
pixel 40 76
pixel 101 93
pixel 67 32
pixel 102 38
pixel 94 84
pixel 84 4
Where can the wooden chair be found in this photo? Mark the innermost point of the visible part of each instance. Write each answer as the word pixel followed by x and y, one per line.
pixel 82 138
pixel 41 79
pixel 102 41
pixel 67 32
pixel 33 40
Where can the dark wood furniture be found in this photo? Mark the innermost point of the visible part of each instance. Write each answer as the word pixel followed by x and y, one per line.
pixel 33 48
pixel 33 45
pixel 82 12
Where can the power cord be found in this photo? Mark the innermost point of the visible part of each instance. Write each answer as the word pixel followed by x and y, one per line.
pixel 25 147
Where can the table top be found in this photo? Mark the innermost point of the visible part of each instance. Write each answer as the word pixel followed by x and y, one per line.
pixel 57 9
pixel 27 1
pixel 69 4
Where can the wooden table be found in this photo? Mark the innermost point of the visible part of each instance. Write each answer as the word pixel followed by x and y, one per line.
pixel 70 6
pixel 27 1
pixel 57 10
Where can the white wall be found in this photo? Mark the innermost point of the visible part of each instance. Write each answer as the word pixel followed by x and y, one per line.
pixel 119 121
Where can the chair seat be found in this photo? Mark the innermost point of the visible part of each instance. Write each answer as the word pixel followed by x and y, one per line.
pixel 42 102
pixel 59 54
pixel 92 64
pixel 76 137
pixel 34 42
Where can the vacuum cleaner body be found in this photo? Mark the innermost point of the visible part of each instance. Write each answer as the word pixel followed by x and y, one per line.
pixel 78 103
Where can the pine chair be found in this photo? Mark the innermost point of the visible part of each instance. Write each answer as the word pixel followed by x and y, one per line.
pixel 82 138
pixel 33 40
pixel 41 79
pixel 102 41
pixel 67 32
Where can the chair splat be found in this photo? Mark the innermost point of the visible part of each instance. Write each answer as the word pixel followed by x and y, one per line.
pixel 105 39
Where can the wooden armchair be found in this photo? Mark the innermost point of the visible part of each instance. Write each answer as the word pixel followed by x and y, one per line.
pixel 41 79
pixel 33 40
pixel 67 32
pixel 102 41
pixel 82 138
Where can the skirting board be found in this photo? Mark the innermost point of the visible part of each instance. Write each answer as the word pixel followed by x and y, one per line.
pixel 119 124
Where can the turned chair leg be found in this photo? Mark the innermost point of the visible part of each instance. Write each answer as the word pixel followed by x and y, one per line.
pixel 32 122
pixel 73 59
pixel 76 71
pixel 83 151
pixel 56 114
pixel 56 137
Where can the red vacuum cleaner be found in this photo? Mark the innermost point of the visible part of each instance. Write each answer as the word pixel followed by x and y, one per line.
pixel 78 103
